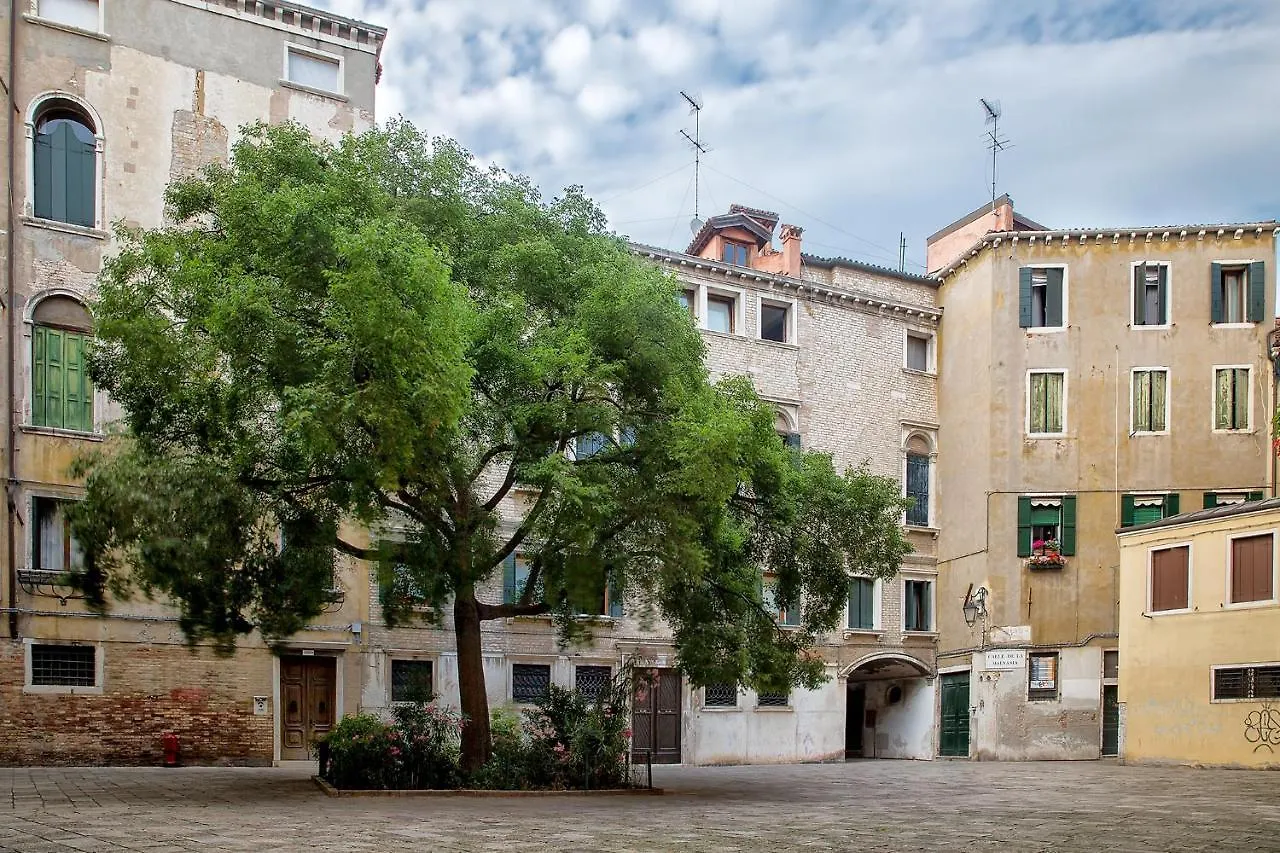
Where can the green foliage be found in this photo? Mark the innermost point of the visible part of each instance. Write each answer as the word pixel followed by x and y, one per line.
pixel 419 750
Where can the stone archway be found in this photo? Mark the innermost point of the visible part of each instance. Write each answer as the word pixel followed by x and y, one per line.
pixel 889 707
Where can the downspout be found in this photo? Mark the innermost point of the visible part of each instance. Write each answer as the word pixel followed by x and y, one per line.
pixel 11 486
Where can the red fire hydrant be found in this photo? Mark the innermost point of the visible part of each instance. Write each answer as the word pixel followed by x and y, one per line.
pixel 169 743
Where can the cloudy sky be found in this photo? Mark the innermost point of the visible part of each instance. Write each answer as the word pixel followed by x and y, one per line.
pixel 856 120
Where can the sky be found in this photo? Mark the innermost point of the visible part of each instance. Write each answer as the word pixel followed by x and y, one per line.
pixel 857 121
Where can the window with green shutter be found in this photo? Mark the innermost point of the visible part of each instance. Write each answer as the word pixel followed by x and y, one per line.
pixel 862 604
pixel 1231 398
pixel 64 166
pixel 1046 522
pixel 1150 398
pixel 1144 509
pixel 61 395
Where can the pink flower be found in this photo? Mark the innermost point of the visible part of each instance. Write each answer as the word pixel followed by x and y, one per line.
pixel 626 733
pixel 559 749
pixel 394 751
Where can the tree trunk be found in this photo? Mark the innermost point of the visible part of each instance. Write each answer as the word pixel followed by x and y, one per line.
pixel 475 701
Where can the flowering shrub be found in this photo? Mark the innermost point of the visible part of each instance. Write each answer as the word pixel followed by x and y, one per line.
pixel 418 750
pixel 1045 546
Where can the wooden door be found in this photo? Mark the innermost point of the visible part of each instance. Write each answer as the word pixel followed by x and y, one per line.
pixel 1110 720
pixel 954 739
pixel 308 687
pixel 655 717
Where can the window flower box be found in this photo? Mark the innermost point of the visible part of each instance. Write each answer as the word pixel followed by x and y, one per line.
pixel 1045 554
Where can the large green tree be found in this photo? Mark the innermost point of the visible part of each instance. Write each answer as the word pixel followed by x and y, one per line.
pixel 380 336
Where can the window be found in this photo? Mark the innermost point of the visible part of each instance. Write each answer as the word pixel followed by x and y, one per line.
pixel 720 696
pixel 1212 499
pixel 515 574
pixel 1042 675
pixel 775 322
pixel 1040 297
pixel 918 609
pixel 55 549
pixel 1144 509
pixel 1150 400
pixel 1046 402
pixel 1246 682
pixel 64 666
pixel 61 394
pixel 1151 295
pixel 917 352
pixel 686 300
pixel 784 616
pixel 1252 568
pixel 1231 398
pixel 605 604
pixel 313 69
pixel 720 313
pixel 1170 574
pixel 586 446
pixel 411 681
pixel 1238 292
pixel 773 700
pixel 529 681
pixel 862 604
pixel 1046 521
pixel 734 253
pixel 918 489
pixel 1111 664
pixel 64 165
pixel 81 14
pixel 592 681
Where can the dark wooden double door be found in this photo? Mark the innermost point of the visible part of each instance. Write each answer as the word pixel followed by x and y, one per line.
pixel 655 717
pixel 307 697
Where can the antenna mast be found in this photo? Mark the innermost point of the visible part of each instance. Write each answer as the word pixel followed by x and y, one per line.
pixel 995 143
pixel 696 141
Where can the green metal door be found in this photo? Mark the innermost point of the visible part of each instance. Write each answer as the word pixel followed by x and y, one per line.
pixel 955 715
pixel 1110 720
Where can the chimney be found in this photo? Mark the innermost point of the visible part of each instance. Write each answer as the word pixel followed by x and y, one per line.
pixel 791 250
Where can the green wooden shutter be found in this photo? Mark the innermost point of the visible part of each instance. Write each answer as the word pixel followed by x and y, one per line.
pixel 39 343
pixel 926 623
pixel 1054 308
pixel 1163 298
pixel 509 592
pixel 1171 504
pixel 1257 291
pixel 1139 286
pixel 615 601
pixel 866 610
pixel 1068 543
pixel 1126 511
pixel 1024 527
pixel 78 411
pixel 1257 496
pixel 1210 500
pixel 54 378
pixel 912 615
pixel 1215 294
pixel 80 180
pixel 1024 297
pixel 42 171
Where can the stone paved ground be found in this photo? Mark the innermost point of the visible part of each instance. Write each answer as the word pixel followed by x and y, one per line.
pixel 860 806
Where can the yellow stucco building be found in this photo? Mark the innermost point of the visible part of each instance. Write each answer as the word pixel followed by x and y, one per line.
pixel 1200 638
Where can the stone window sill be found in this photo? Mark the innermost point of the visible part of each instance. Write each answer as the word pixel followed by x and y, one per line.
pixel 913 372
pixel 311 90
pixel 721 709
pixel 60 689
pixel 66 28
pixel 64 227
pixel 59 432
pixel 783 345
pixel 774 709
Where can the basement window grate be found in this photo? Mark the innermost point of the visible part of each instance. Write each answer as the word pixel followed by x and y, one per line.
pixel 64 666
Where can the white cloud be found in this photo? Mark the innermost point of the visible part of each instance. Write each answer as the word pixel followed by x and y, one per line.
pixel 566 56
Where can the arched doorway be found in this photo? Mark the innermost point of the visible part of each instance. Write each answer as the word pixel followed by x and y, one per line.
pixel 889 707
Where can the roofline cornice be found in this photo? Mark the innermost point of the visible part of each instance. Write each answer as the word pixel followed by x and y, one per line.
pixel 840 296
pixel 1162 233
pixel 254 11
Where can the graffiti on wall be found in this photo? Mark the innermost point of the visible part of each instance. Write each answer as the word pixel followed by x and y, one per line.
pixel 1262 728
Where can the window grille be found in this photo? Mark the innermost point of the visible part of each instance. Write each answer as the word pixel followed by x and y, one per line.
pixel 64 666
pixel 720 695
pixel 591 681
pixel 529 681
pixel 1247 682
pixel 773 700
pixel 411 681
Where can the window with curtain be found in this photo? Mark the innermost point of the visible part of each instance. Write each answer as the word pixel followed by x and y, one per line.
pixel 1238 292
pixel 515 574
pixel 1046 402
pixel 1150 389
pixel 55 548
pixel 64 166
pixel 61 394
pixel 1231 398
pixel 1042 675
pixel 918 607
pixel 918 489
pixel 862 597
pixel 1151 295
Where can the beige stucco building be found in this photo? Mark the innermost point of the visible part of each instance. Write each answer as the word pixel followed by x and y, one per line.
pixel 108 101
pixel 1200 638
pixel 1088 378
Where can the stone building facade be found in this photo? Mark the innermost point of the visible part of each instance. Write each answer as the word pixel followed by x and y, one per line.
pixel 109 100
pixel 1089 379
pixel 827 341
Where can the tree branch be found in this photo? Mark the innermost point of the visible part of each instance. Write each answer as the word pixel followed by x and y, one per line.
pixel 353 550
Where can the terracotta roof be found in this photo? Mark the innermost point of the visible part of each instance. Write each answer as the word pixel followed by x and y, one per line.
pixel 764 235
pixel 1224 511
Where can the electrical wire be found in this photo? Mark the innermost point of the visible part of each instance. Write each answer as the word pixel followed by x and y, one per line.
pixel 672 234
pixel 646 183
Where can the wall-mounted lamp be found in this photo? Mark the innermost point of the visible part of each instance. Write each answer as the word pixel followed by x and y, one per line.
pixel 975 605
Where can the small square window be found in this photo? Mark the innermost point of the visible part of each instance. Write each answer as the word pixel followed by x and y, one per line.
pixel 775 322
pixel 313 70
pixel 734 253
pixel 81 14
pixel 918 353
pixel 411 681
pixel 1042 676
pixel 720 696
pixel 720 313
pixel 530 681
pixel 773 700
pixel 1111 664
pixel 64 666
pixel 591 681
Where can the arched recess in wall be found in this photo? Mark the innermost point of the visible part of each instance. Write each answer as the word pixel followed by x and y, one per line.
pixel 60 394
pixel 918 477
pixel 64 160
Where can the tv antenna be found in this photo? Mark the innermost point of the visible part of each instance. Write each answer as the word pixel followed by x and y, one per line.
pixel 995 142
pixel 698 150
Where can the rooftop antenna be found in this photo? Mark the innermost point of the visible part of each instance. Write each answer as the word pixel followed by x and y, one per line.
pixel 698 150
pixel 996 143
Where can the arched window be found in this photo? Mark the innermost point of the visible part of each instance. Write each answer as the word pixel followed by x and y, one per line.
pixel 918 481
pixel 61 395
pixel 64 164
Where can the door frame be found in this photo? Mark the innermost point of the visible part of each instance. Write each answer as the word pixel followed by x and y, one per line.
pixel 968 672
pixel 297 651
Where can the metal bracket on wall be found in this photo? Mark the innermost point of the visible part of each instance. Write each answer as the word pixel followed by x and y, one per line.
pixel 50 584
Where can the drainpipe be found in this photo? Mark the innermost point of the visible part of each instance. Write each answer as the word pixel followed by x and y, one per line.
pixel 1273 352
pixel 11 486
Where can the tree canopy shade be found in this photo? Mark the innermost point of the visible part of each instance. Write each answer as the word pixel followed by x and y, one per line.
pixel 380 336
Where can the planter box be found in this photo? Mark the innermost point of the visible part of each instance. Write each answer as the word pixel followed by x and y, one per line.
pixel 331 791
pixel 1046 562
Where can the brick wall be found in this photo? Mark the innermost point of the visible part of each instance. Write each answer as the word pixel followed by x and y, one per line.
pixel 148 689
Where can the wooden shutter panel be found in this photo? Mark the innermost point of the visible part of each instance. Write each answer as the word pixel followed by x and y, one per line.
pixel 39 341
pixel 1216 314
pixel 1169 579
pixel 1139 285
pixel 1068 525
pixel 1024 297
pixel 54 378
pixel 1126 511
pixel 1257 291
pixel 1054 308
pixel 42 172
pixel 78 412
pixel 509 592
pixel 1256 496
pixel 615 600
pixel 911 610
pixel 1163 300
pixel 80 180
pixel 866 610
pixel 1210 500
pixel 1024 527
pixel 1171 502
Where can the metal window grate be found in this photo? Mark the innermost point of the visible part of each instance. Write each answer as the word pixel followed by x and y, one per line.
pixel 720 695
pixel 64 666
pixel 773 700
pixel 590 681
pixel 1266 682
pixel 1231 683
pixel 411 681
pixel 529 681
